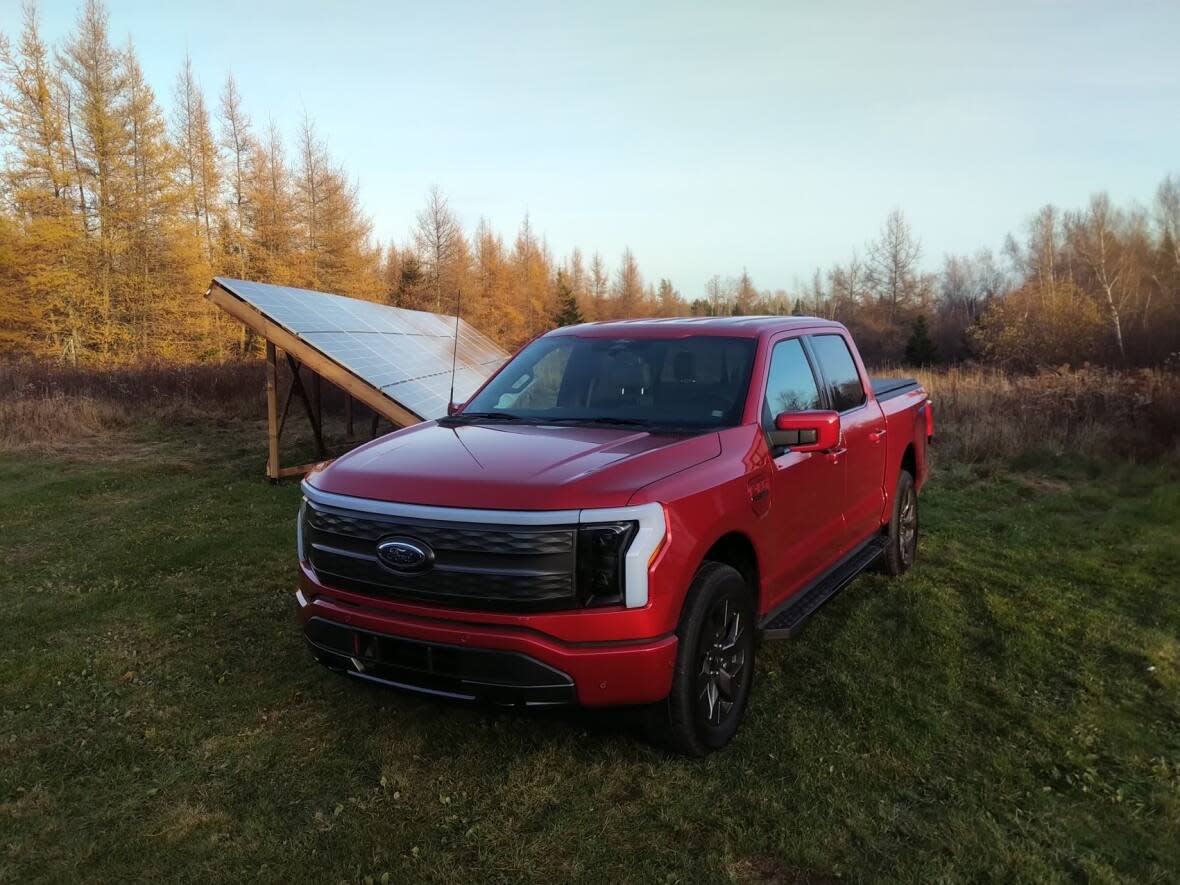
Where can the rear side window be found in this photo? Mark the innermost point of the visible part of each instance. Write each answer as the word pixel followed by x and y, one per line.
pixel 791 385
pixel 836 362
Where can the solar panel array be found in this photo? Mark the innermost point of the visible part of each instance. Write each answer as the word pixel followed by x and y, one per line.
pixel 406 354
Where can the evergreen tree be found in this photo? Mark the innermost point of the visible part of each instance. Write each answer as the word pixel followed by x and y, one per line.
pixel 411 283
pixel 568 313
pixel 920 350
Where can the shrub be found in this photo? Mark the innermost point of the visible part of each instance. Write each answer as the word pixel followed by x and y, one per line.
pixel 1041 326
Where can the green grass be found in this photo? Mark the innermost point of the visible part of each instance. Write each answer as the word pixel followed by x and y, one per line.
pixel 1009 710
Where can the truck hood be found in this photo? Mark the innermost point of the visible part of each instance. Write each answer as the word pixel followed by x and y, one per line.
pixel 526 467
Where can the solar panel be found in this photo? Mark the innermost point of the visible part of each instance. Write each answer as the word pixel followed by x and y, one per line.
pixel 406 354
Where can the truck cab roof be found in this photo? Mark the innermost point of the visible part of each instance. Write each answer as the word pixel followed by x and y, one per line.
pixel 679 327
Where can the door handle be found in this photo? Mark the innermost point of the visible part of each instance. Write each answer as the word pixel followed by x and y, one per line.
pixel 877 435
pixel 835 454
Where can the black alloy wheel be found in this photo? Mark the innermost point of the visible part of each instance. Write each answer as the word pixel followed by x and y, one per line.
pixel 714 664
pixel 902 547
pixel 723 659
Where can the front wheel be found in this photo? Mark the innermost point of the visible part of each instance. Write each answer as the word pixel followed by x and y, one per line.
pixel 902 544
pixel 714 664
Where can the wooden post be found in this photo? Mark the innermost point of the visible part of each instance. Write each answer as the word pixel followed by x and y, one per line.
pixel 319 409
pixel 272 412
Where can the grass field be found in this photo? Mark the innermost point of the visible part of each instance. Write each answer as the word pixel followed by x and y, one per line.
pixel 1010 710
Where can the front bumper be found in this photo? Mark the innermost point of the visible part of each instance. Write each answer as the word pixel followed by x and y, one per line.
pixel 501 664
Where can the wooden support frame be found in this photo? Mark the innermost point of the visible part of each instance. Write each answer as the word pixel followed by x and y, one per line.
pixel 299 353
pixel 315 415
pixel 272 414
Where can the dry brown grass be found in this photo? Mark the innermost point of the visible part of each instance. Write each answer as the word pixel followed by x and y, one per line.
pixel 981 413
pixel 233 388
pixel 49 407
pixel 984 414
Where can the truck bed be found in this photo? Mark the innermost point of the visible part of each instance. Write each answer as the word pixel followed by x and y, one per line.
pixel 888 388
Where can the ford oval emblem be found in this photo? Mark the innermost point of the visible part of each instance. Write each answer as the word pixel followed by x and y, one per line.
pixel 405 555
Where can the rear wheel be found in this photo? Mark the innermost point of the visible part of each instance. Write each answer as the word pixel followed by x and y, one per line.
pixel 714 664
pixel 903 528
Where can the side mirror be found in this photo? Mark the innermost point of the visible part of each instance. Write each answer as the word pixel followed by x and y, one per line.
pixel 806 431
pixel 452 408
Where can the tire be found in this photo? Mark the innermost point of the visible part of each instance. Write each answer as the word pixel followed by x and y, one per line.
pixel 902 548
pixel 714 665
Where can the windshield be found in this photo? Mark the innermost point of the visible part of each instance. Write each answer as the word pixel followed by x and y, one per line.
pixel 695 383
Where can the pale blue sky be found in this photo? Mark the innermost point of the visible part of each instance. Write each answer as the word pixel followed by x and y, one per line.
pixel 709 137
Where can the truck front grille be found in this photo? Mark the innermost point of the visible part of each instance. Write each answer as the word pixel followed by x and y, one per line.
pixel 474 566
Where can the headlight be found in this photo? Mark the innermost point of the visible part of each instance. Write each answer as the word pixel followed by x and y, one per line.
pixel 602 548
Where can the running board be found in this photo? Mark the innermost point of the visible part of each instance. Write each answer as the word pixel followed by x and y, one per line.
pixel 785 620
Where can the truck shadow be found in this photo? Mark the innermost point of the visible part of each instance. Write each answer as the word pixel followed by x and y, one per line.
pixel 542 724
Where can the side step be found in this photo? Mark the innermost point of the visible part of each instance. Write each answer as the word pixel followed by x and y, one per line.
pixel 789 617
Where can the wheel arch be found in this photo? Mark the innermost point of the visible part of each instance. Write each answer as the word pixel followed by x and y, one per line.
pixel 735 549
pixel 909 461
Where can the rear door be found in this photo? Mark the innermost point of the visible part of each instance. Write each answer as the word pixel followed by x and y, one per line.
pixel 807 488
pixel 863 425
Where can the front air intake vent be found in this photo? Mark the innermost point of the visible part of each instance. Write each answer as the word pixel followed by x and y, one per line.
pixel 462 565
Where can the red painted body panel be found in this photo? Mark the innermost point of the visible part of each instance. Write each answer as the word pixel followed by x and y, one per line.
pixel 798 513
pixel 604 674
pixel 512 468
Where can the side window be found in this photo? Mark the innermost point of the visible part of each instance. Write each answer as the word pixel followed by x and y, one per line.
pixel 791 385
pixel 837 364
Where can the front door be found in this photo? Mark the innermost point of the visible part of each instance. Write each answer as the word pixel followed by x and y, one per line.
pixel 806 522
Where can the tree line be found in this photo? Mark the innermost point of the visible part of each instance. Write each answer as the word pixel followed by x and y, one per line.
pixel 114 215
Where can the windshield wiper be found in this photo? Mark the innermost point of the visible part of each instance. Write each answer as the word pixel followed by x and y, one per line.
pixel 468 417
pixel 597 419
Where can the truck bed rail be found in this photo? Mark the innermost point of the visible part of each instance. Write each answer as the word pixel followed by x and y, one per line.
pixel 887 388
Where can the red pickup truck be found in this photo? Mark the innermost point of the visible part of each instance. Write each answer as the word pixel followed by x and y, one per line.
pixel 613 516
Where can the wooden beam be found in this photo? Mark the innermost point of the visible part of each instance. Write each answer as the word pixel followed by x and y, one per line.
pixel 311 357
pixel 286 407
pixel 272 413
pixel 316 382
pixel 287 472
pixel 312 418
